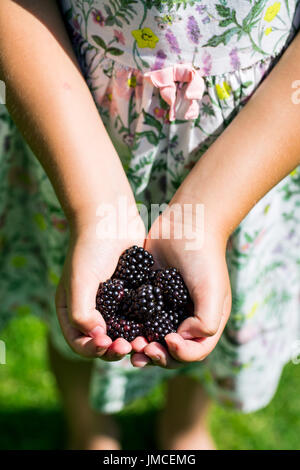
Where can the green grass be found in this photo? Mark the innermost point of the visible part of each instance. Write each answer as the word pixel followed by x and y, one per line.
pixel 31 415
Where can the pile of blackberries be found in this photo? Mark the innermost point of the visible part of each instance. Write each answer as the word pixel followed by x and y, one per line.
pixel 141 301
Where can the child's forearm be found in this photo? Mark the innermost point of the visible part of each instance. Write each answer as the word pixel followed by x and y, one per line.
pixel 259 148
pixel 52 106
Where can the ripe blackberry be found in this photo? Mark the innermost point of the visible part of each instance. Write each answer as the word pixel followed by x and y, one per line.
pixel 156 328
pixel 177 317
pixel 147 301
pixel 109 296
pixel 139 301
pixel 134 266
pixel 152 275
pixel 118 326
pixel 127 301
pixel 172 287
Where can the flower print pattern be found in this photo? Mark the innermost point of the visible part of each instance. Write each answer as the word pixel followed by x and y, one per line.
pixel 223 90
pixel 234 59
pixel 159 112
pixel 272 11
pixel 145 38
pixel 159 60
pixel 132 81
pixel 76 23
pixel 119 37
pixel 206 63
pixel 234 35
pixel 201 9
pixel 193 30
pixel 98 17
pixel 173 43
pixel 122 84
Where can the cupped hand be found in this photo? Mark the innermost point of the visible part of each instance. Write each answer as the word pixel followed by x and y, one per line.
pixel 206 276
pixel 89 261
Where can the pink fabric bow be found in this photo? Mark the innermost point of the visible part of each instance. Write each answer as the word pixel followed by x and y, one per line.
pixel 165 79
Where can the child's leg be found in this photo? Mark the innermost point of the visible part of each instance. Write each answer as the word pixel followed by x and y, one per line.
pixel 183 423
pixel 87 429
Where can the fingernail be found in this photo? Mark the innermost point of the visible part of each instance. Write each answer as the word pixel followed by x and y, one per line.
pixel 98 330
pixel 140 366
pixel 103 344
pixel 156 358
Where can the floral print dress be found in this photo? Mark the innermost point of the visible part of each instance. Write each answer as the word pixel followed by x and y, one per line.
pixel 231 45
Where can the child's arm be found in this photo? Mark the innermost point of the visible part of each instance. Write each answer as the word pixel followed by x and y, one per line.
pixel 258 149
pixel 53 107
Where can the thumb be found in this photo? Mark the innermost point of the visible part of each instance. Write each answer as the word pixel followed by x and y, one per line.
pixel 81 295
pixel 86 265
pixel 211 297
pixel 88 346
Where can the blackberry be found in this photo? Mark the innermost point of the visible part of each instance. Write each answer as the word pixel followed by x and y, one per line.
pixel 139 301
pixel 118 326
pixel 109 296
pixel 172 286
pixel 134 266
pixel 156 328
pixel 178 316
pixel 147 301
pixel 127 301
pixel 152 275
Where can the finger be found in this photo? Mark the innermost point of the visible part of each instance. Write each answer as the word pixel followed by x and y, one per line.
pixel 117 350
pixel 160 356
pixel 196 349
pixel 186 350
pixel 86 346
pixel 138 344
pixel 140 360
pixel 212 300
pixel 81 304
pixel 120 346
pixel 82 315
pixel 207 314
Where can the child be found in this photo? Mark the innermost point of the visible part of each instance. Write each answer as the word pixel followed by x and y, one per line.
pixel 167 77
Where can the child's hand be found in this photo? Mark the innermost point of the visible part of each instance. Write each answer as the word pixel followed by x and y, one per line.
pixel 206 276
pixel 89 261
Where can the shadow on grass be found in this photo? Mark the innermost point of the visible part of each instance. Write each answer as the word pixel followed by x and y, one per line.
pixel 137 430
pixel 36 429
pixel 32 428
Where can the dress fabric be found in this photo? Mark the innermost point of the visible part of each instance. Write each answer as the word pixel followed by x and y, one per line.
pixel 232 45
